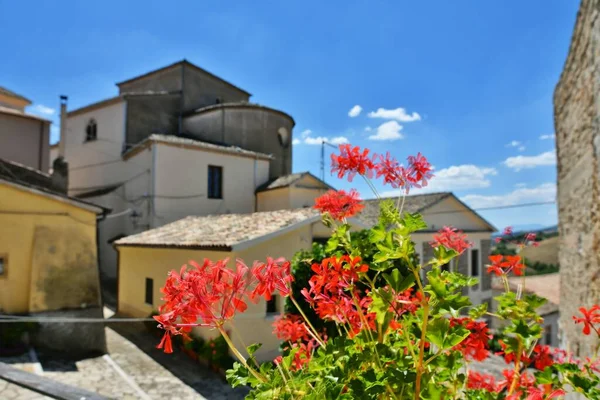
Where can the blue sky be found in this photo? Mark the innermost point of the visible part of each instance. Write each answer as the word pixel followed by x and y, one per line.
pixel 468 84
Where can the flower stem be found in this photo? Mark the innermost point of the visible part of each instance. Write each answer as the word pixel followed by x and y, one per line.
pixel 517 373
pixel 320 339
pixel 420 366
pixel 239 355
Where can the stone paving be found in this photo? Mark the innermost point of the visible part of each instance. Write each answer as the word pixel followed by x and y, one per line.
pixel 134 369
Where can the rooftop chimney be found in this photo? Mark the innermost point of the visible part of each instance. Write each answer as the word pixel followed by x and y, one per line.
pixel 63 126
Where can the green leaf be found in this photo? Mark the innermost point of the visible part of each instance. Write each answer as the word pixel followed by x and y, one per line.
pixel 252 348
pixel 440 334
pixel 380 304
pixel 478 311
pixel 443 255
pixel 413 222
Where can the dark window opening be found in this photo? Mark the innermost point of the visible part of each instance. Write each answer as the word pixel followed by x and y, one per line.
pixel 91 131
pixel 272 305
pixel 2 266
pixel 149 291
pixel 215 182
pixel 548 335
pixel 474 262
pixel 218 100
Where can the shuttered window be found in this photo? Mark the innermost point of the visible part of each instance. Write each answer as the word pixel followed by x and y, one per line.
pixel 149 291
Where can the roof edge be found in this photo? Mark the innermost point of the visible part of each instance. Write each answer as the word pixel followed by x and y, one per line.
pixel 69 200
pixel 175 64
pixel 212 107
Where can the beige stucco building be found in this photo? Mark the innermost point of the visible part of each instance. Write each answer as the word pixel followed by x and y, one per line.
pixel 146 258
pixel 24 137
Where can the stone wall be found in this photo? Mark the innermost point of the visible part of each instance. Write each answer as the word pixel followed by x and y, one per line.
pixel 72 339
pixel 576 113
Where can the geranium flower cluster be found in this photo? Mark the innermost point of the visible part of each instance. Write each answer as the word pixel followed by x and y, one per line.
pixel 526 386
pixel 353 160
pixel 503 265
pixel 451 238
pixel 476 345
pixel 339 204
pixel 334 296
pixel 209 294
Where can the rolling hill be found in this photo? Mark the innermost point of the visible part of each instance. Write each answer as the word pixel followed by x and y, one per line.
pixel 546 252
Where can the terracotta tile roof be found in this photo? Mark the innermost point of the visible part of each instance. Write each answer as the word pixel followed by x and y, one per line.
pixel 10 93
pixel 194 143
pixel 412 204
pixel 287 180
pixel 219 232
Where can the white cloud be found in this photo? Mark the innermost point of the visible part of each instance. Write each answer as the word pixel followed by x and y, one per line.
pixel 296 141
pixel 388 131
pixel 521 148
pixel 520 185
pixel 547 137
pixel 399 114
pixel 541 193
pixel 514 143
pixel 456 177
pixel 305 133
pixel 320 139
pixel 42 109
pixel 355 111
pixel 522 162
pixel 368 129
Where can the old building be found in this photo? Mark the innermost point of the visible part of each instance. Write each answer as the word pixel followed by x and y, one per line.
pixel 445 209
pixel 577 128
pixel 146 258
pixel 174 142
pixel 24 137
pixel 48 257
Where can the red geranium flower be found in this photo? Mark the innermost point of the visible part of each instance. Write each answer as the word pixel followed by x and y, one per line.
pixel 513 263
pixel 339 204
pixel 291 327
pixel 352 161
pixel 590 318
pixel 475 380
pixel 542 357
pixel 419 170
pixel 451 238
pixel 476 345
pixel 495 267
pixel 392 172
pixel 507 231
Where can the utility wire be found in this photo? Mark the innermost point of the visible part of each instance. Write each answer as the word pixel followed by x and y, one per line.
pixel 20 319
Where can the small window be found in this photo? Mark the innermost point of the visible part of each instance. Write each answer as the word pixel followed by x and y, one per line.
pixel 91 131
pixel 218 100
pixel 474 262
pixel 149 291
pixel 548 335
pixel 215 182
pixel 272 305
pixel 3 262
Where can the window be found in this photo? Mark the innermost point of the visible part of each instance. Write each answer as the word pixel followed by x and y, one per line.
pixel 218 100
pixel 474 262
pixel 548 335
pixel 3 262
pixel 91 131
pixel 149 291
pixel 272 305
pixel 215 182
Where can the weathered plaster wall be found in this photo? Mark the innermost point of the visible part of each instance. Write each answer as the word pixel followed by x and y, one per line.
pixel 249 127
pixel 576 120
pixel 51 257
pixel 25 140
pixel 201 89
pixel 151 114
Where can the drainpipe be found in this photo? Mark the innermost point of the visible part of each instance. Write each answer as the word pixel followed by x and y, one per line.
pixel 63 126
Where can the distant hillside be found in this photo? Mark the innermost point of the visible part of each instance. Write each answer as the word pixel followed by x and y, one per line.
pixel 546 252
pixel 535 228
